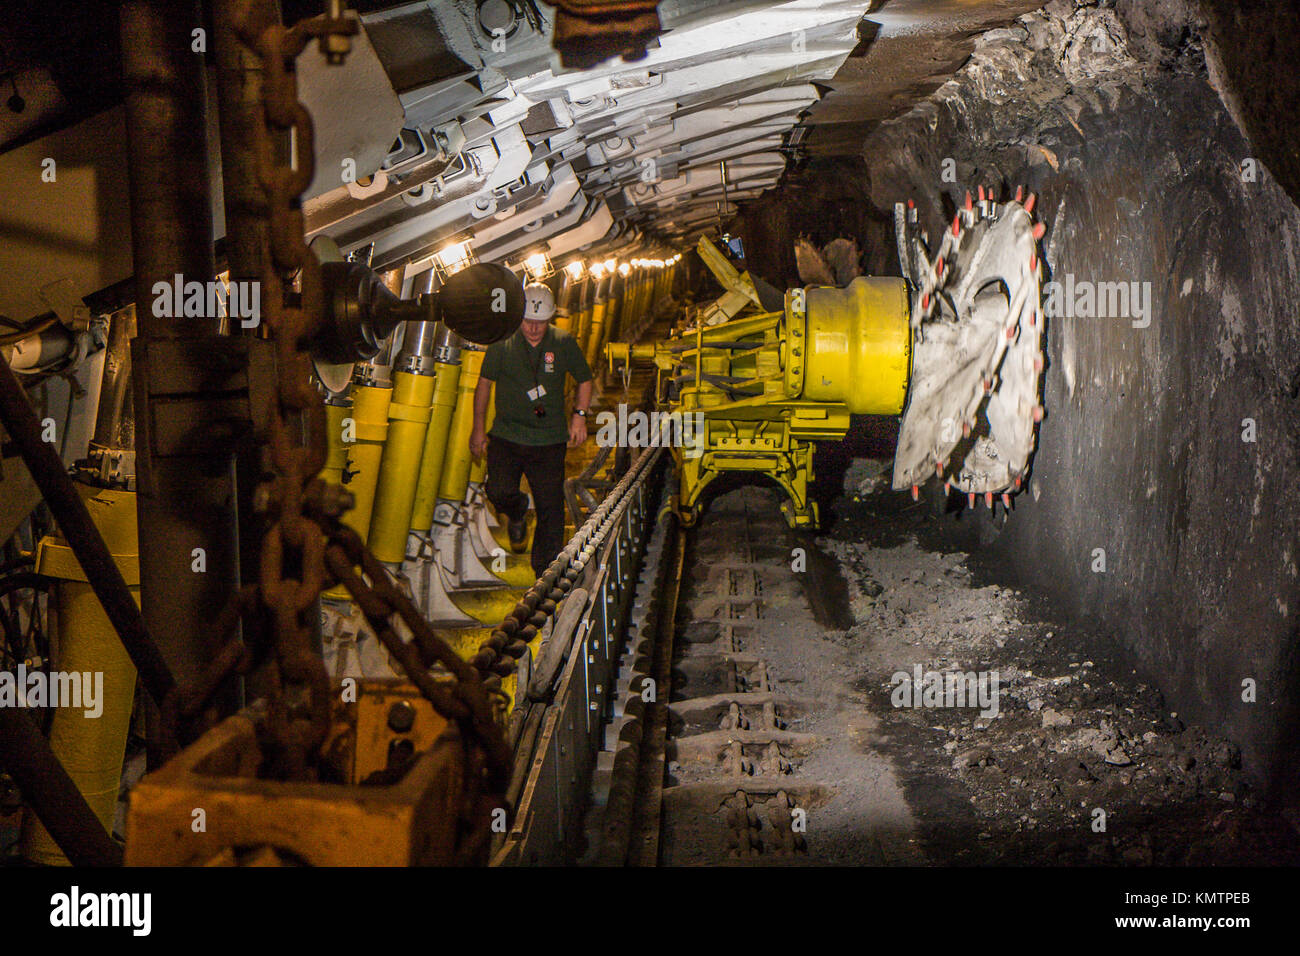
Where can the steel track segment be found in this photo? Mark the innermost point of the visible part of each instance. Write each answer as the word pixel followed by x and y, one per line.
pixel 737 776
pixel 648 812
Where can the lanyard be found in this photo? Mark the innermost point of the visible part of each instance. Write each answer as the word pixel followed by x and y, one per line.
pixel 541 350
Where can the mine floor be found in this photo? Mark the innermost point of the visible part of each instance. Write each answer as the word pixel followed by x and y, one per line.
pixel 1082 764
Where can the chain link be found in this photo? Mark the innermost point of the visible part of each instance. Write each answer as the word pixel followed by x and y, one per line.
pixel 306 549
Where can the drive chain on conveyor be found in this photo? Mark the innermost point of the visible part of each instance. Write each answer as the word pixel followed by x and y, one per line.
pixel 715 773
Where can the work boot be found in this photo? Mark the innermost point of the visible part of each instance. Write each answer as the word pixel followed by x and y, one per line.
pixel 518 531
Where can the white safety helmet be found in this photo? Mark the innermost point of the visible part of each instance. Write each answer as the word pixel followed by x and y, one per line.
pixel 539 303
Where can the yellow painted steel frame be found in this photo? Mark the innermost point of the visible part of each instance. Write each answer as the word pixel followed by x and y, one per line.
pixel 89 745
pixel 762 389
pixel 415 820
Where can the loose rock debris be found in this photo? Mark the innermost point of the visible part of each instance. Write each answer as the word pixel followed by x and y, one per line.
pixel 792 742
pixel 1082 763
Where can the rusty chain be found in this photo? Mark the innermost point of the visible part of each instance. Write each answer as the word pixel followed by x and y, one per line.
pixel 509 640
pixel 306 549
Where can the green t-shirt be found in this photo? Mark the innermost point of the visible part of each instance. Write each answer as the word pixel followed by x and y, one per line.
pixel 519 369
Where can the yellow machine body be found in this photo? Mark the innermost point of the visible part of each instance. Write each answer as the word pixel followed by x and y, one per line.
pixel 336 456
pixel 408 422
pixel 753 391
pixel 253 821
pixel 365 452
pixel 457 461
pixel 595 330
pixel 445 392
pixel 90 748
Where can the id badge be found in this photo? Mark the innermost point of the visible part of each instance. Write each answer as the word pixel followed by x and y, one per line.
pixel 536 393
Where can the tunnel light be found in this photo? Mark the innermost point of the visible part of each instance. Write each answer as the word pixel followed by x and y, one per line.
pixel 538 266
pixel 624 269
pixel 610 265
pixel 575 269
pixel 597 270
pixel 454 257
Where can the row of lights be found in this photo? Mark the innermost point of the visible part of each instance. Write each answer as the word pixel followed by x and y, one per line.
pixel 456 256
pixel 577 268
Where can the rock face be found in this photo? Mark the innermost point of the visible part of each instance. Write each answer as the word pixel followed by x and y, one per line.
pixel 1165 495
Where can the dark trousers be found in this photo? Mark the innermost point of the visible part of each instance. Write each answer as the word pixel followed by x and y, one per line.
pixel 543 465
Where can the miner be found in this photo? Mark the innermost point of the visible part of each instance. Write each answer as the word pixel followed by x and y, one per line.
pixel 530 429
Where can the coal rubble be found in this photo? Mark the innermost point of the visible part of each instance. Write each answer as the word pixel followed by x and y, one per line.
pixel 1081 762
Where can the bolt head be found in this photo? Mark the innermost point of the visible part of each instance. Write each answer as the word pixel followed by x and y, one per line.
pixel 401 717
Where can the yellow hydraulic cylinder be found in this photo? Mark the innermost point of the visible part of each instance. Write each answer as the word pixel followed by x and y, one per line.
pixel 582 321
pixel 336 456
pixel 596 331
pixel 445 394
pixel 644 283
pixel 627 314
pixel 638 302
pixel 399 469
pixel 89 736
pixel 456 463
pixel 568 303
pixel 599 306
pixel 614 323
pixel 613 313
pixel 370 427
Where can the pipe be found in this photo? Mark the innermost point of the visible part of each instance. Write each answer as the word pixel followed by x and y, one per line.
pixel 167 156
pixel 79 530
pixel 90 748
pixel 40 350
pixel 51 794
pixel 187 499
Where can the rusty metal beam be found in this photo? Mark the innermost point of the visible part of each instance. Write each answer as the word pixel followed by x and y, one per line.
pixel 187 491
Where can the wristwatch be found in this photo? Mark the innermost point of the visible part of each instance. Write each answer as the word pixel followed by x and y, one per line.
pixel 580 411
